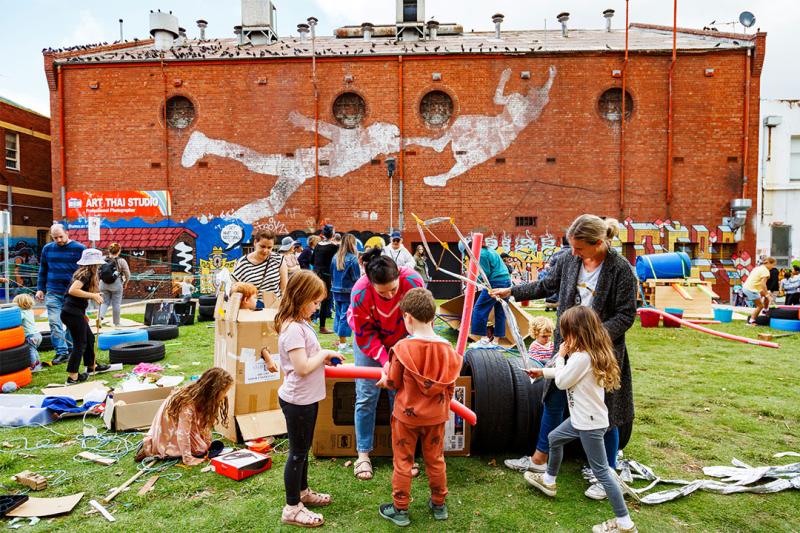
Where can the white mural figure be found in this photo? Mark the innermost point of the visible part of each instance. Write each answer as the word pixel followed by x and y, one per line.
pixel 474 139
pixel 348 150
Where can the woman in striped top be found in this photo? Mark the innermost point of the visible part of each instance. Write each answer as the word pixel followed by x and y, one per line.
pixel 262 267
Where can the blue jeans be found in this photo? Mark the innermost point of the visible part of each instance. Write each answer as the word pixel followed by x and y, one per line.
pixel 340 326
pixel 62 341
pixel 483 306
pixel 34 340
pixel 555 404
pixel 367 395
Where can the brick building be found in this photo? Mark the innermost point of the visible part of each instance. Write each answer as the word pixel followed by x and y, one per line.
pixel 25 186
pixel 510 132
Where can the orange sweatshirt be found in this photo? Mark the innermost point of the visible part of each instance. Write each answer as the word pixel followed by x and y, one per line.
pixel 423 370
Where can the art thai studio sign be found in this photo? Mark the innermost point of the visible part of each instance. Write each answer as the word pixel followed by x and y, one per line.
pixel 119 204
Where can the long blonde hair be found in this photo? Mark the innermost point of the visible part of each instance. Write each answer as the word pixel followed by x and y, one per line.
pixel 304 286
pixel 592 229
pixel 348 246
pixel 583 331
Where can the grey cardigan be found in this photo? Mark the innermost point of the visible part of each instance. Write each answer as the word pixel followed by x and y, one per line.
pixel 615 302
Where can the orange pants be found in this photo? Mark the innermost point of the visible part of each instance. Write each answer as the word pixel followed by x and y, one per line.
pixel 404 444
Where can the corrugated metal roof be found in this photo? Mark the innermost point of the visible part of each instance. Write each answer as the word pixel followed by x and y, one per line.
pixel 642 38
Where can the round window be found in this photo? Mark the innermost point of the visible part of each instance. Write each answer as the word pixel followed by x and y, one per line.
pixel 180 112
pixel 610 105
pixel 349 110
pixel 436 108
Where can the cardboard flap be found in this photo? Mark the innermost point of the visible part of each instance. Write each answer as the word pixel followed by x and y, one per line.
pixel 270 299
pixel 229 311
pixel 76 392
pixel 143 395
pixel 261 424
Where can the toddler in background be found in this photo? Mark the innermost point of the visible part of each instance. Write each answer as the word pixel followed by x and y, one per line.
pixel 249 294
pixel 32 336
pixel 541 330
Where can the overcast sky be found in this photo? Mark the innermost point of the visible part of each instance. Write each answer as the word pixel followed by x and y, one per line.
pixel 27 26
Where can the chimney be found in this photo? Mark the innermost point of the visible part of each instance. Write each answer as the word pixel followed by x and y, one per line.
pixel 181 40
pixel 237 31
pixel 164 29
pixel 302 30
pixel 563 18
pixel 608 14
pixel 433 29
pixel 497 18
pixel 368 28
pixel 202 24
pixel 258 22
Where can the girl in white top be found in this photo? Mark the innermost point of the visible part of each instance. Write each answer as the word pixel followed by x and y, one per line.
pixel 585 367
pixel 302 360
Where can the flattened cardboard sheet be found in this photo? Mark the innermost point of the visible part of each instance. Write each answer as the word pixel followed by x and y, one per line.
pixel 46 506
pixel 76 392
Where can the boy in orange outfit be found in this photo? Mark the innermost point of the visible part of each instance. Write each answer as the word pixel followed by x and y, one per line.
pixel 423 369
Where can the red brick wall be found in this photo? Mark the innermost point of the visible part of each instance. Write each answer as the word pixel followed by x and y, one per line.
pixel 34 169
pixel 115 132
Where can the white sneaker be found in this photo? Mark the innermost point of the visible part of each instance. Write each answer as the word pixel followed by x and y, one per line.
pixel 611 526
pixel 596 492
pixel 536 480
pixel 524 464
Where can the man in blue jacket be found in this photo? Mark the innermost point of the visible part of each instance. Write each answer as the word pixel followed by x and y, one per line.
pixel 57 265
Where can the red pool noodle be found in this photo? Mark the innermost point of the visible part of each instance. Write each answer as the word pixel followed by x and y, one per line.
pixel 722 334
pixel 372 372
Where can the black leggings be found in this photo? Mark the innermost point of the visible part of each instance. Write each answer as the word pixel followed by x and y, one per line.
pixel 82 341
pixel 325 305
pixel 300 420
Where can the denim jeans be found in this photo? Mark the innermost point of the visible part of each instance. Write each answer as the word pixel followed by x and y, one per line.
pixel 340 326
pixel 62 340
pixel 34 340
pixel 592 442
pixel 367 395
pixel 483 306
pixel 554 406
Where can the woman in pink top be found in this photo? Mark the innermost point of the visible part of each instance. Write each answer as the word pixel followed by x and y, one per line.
pixel 182 426
pixel 302 359
pixel 377 322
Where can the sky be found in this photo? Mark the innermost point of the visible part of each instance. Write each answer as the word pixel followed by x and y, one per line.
pixel 26 27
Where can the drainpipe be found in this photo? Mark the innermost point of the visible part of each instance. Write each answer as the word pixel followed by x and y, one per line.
pixel 745 121
pixel 63 158
pixel 312 22
pixel 669 110
pixel 401 158
pixel 622 121
pixel 166 126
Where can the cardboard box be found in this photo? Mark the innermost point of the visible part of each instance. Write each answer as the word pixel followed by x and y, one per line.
pixel 127 411
pixel 335 432
pixel 241 464
pixel 253 399
pixel 451 310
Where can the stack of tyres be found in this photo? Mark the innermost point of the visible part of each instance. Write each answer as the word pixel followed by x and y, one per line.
pixel 509 404
pixel 785 318
pixel 15 354
pixel 206 309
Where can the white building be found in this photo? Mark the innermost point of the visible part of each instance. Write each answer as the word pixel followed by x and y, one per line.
pixel 778 215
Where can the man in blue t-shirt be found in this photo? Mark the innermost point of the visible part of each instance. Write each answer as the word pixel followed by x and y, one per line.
pixel 58 263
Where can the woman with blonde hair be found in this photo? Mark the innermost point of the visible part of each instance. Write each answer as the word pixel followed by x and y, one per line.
pixel 344 274
pixel 598 277
pixel 114 277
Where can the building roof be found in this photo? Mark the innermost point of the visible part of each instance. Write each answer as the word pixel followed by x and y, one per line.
pixel 642 38
pixel 133 238
pixel 18 106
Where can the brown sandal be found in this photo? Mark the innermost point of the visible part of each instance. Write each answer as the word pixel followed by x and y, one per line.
pixel 299 516
pixel 361 468
pixel 315 499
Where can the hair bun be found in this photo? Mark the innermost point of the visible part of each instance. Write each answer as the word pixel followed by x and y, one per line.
pixel 612 228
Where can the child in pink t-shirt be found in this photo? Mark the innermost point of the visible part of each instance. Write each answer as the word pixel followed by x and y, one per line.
pixel 302 360
pixel 541 329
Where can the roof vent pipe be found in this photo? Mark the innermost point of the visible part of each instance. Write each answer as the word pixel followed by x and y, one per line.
pixel 163 29
pixel 433 30
pixel 182 39
pixel 302 30
pixel 563 18
pixel 312 22
pixel 202 24
pixel 497 18
pixel 608 14
pixel 368 29
pixel 237 31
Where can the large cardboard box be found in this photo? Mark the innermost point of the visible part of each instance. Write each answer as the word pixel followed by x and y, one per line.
pixel 253 399
pixel 335 432
pixel 451 310
pixel 127 411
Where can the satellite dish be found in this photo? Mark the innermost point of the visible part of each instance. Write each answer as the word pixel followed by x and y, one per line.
pixel 747 19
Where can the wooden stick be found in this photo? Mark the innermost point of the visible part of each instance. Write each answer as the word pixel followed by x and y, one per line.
pixel 102 510
pixel 122 487
pixel 148 486
pixel 97 458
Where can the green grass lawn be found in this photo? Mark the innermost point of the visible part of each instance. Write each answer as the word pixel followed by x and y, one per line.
pixel 700 401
